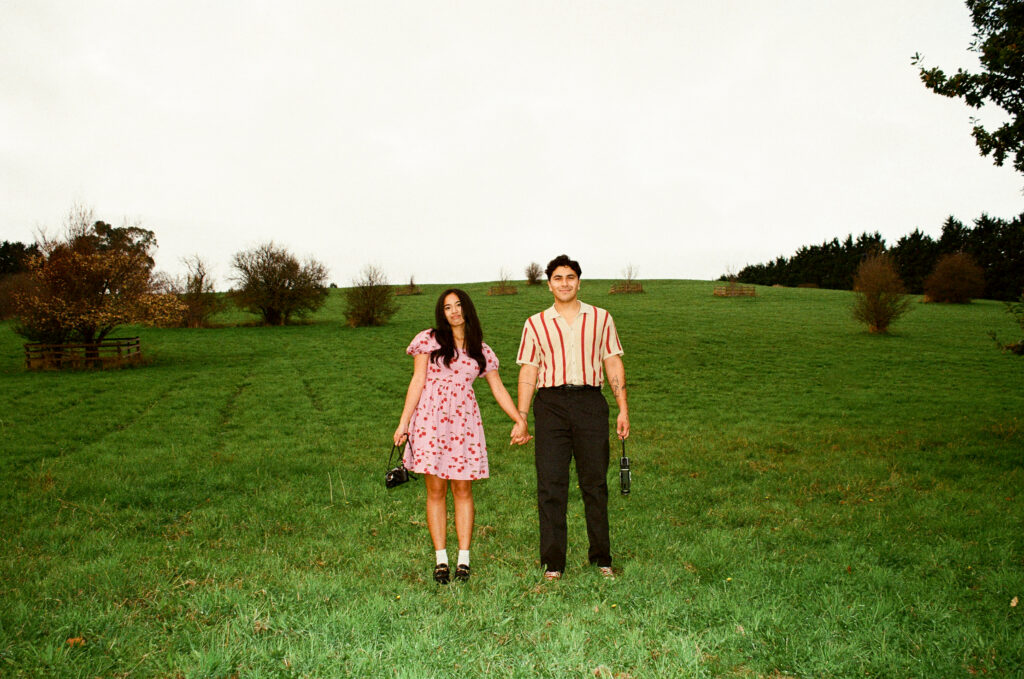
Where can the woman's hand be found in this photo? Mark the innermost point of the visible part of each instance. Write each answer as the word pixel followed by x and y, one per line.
pixel 400 435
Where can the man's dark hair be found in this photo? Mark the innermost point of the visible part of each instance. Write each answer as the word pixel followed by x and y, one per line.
pixel 563 260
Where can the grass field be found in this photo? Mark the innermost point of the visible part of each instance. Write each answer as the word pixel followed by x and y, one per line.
pixel 809 501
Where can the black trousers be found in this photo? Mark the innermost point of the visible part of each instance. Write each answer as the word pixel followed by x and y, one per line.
pixel 571 424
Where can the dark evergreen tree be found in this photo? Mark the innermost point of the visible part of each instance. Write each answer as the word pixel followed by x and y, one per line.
pixel 915 256
pixel 14 256
pixel 995 244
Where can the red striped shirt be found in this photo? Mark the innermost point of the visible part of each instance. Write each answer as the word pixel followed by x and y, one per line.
pixel 569 354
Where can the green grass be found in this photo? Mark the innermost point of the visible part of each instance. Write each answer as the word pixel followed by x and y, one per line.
pixel 809 501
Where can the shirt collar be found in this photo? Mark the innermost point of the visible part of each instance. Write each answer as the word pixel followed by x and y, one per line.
pixel 585 310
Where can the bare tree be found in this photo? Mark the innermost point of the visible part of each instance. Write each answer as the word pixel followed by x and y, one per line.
pixel 505 285
pixel 534 274
pixel 629 282
pixel 371 299
pixel 196 292
pixel 880 295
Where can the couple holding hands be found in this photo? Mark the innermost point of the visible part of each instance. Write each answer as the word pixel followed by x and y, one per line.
pixel 564 353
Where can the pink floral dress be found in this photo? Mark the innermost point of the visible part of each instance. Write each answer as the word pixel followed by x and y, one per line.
pixel 446 434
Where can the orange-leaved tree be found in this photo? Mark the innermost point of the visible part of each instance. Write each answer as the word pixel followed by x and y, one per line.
pixel 96 278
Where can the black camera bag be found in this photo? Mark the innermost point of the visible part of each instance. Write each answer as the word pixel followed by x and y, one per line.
pixel 396 476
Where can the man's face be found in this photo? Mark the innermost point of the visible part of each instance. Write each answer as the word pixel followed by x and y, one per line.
pixel 564 284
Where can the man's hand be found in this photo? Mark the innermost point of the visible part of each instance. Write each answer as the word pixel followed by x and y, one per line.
pixel 622 425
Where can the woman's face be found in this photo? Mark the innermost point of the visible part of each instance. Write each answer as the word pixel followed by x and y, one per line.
pixel 453 310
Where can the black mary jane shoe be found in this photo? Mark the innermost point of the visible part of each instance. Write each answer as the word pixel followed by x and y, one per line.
pixel 462 572
pixel 441 574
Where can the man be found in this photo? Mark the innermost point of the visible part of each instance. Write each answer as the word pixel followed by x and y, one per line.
pixel 561 354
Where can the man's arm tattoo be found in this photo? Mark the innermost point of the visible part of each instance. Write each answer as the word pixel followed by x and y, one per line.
pixel 617 388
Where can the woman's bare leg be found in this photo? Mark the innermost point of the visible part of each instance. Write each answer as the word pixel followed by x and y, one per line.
pixel 437 509
pixel 462 493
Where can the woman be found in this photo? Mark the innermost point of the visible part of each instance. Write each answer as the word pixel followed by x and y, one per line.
pixel 441 420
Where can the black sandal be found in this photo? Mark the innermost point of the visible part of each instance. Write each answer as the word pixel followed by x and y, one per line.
pixel 462 572
pixel 441 574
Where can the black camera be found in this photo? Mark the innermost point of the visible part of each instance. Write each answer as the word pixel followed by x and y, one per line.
pixel 624 476
pixel 396 477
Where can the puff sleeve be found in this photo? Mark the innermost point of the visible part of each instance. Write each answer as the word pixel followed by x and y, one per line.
pixel 423 343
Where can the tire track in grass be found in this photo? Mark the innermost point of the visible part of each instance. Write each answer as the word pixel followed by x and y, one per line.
pixel 227 414
pixel 111 427
pixel 314 398
pixel 227 411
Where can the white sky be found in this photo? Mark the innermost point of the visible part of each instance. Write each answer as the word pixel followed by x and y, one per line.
pixel 451 140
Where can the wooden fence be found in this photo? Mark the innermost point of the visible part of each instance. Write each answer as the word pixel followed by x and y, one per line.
pixel 626 287
pixel 110 353
pixel 734 290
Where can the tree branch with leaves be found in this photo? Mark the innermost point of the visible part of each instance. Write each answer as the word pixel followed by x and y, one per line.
pixel 999 44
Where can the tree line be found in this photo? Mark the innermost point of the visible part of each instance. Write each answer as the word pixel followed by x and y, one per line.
pixel 81 286
pixel 996 245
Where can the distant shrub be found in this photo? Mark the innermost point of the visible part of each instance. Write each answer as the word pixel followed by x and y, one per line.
pixel 534 274
pixel 629 282
pixel 195 292
pixel 411 289
pixel 956 279
pixel 880 295
pixel 273 284
pixel 504 286
pixel 371 300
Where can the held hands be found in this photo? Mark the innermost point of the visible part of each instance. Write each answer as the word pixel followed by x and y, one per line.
pixel 520 433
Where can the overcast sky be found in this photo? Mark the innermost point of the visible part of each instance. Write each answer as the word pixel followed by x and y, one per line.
pixel 451 140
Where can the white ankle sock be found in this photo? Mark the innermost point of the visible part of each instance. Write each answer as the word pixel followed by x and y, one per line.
pixel 463 557
pixel 441 555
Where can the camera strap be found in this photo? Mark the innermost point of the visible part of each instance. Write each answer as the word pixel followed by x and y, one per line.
pixel 392 455
pixel 401 462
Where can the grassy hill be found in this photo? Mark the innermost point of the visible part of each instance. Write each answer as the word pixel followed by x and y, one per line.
pixel 808 500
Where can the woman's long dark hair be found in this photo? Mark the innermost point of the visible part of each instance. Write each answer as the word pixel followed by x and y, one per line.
pixel 443 331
